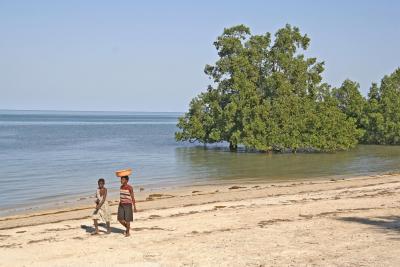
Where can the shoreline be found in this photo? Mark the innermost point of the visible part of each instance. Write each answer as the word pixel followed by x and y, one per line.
pixel 80 201
pixel 344 222
pixel 84 202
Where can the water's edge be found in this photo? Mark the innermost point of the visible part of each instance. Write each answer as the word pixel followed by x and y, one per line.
pixel 84 200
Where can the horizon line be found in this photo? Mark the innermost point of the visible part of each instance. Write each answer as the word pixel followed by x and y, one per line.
pixel 69 110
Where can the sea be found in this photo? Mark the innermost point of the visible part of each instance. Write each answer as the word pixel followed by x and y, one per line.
pixel 50 158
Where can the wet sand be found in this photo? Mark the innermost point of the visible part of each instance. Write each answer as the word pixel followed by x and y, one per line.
pixel 351 222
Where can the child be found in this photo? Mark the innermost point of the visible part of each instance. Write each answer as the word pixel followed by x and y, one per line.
pixel 127 200
pixel 102 210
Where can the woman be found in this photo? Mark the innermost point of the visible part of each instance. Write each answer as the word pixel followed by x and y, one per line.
pixel 102 210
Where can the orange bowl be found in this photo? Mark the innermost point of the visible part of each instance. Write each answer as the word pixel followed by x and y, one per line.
pixel 121 173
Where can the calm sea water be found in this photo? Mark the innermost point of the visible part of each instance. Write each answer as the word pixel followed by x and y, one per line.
pixel 54 157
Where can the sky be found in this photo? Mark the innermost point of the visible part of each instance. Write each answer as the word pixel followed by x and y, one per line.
pixel 150 55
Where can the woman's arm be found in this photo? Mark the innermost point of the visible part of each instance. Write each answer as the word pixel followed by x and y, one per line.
pixel 133 200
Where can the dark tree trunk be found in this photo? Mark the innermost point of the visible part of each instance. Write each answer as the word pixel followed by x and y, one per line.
pixel 232 147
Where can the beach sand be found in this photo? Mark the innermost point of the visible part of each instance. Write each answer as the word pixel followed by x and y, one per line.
pixel 349 222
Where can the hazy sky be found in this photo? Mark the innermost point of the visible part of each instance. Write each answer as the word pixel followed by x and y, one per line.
pixel 150 55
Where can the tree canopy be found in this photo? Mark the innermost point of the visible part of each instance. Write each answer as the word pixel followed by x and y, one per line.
pixel 266 95
pixel 382 114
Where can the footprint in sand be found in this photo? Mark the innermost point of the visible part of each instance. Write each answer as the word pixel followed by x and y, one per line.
pixel 236 187
pixel 150 228
pixel 51 239
pixel 3 237
pixel 262 224
pixel 158 196
pixel 13 245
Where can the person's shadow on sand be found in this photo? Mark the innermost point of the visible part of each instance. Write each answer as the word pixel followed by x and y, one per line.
pixel 391 223
pixel 90 229
pixel 385 223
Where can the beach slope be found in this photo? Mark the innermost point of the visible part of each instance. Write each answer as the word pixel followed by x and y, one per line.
pixel 349 222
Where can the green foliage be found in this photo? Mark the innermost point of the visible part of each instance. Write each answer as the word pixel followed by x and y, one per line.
pixel 382 115
pixel 352 103
pixel 266 95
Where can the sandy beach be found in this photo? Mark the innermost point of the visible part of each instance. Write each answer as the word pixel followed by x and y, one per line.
pixel 336 222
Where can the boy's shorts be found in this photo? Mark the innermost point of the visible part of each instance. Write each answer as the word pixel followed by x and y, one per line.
pixel 125 212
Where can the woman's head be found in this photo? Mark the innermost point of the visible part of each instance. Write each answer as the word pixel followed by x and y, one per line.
pixel 124 179
pixel 101 182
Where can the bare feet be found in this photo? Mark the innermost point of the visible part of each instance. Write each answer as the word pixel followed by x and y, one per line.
pixel 95 233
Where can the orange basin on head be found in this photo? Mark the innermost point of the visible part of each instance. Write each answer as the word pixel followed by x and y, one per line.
pixel 121 173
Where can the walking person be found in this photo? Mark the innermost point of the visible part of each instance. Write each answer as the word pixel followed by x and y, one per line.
pixel 102 210
pixel 127 201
